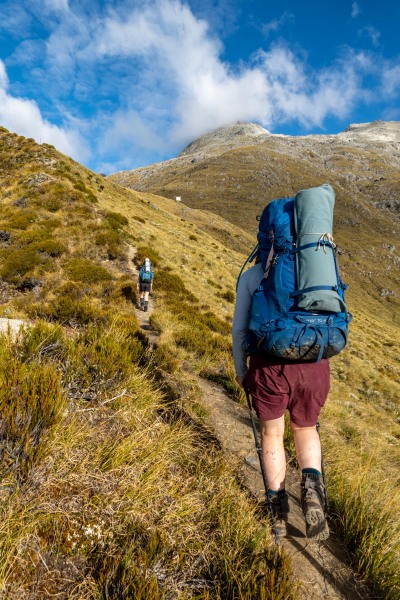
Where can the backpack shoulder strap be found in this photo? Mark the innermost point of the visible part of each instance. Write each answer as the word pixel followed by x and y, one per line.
pixel 249 259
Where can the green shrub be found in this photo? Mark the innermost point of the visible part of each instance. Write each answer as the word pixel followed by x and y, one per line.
pixel 229 296
pixel 21 220
pixel 71 312
pixel 116 221
pixel 51 247
pixel 193 237
pixel 30 403
pixel 17 263
pixel 81 187
pixel 170 283
pixel 199 341
pixel 111 241
pixel 51 204
pixel 146 251
pixel 214 323
pixel 164 358
pixel 82 269
pixel 103 355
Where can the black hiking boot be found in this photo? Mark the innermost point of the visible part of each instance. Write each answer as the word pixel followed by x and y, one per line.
pixel 141 304
pixel 312 503
pixel 146 306
pixel 280 509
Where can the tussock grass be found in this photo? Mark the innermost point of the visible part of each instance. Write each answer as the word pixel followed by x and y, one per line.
pixel 367 510
pixel 124 494
pixel 121 499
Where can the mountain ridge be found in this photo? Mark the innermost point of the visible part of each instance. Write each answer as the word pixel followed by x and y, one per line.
pixel 234 172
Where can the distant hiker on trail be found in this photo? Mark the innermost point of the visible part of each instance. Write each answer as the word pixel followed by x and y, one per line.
pixel 292 373
pixel 146 276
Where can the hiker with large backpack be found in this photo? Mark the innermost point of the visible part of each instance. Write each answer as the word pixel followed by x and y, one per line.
pixel 290 317
pixel 146 276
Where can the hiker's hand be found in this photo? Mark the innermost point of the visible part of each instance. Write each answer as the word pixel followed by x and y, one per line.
pixel 240 380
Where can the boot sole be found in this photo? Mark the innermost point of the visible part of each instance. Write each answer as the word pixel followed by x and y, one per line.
pixel 316 524
pixel 279 530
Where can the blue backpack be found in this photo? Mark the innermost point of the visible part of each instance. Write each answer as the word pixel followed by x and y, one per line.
pixel 298 312
pixel 146 272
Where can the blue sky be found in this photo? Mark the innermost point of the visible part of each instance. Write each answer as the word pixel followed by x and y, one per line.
pixel 119 84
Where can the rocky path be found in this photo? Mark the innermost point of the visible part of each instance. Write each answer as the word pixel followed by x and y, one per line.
pixel 322 568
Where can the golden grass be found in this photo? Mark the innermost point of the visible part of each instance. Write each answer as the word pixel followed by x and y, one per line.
pixel 125 496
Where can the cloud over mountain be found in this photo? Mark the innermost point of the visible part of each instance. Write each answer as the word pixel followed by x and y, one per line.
pixel 141 80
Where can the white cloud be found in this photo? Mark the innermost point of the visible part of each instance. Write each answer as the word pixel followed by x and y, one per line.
pixel 3 76
pixel 23 116
pixel 149 77
pixel 310 97
pixel 373 33
pixel 391 80
pixel 56 5
pixel 198 90
pixel 355 10
pixel 275 24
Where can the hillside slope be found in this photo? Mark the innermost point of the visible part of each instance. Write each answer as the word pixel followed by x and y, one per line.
pixel 235 171
pixel 113 481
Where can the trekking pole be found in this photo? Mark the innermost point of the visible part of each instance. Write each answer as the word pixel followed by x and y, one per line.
pixel 323 471
pixel 259 452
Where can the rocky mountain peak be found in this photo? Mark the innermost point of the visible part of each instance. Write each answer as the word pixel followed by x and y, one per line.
pixel 374 131
pixel 239 134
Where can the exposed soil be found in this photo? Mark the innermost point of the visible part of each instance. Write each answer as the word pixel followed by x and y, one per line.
pixel 322 568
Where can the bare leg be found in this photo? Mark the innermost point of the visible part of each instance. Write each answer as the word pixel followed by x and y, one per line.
pixel 308 446
pixel 308 450
pixel 273 452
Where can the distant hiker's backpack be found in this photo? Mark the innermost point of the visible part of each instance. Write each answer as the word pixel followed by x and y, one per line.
pixel 298 312
pixel 146 271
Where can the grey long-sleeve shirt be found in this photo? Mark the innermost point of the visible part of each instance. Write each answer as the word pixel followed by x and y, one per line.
pixel 248 283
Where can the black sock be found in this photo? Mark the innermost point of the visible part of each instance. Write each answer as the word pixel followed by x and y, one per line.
pixel 310 471
pixel 274 493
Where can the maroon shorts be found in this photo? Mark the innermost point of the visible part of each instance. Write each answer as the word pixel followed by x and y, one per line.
pixel 302 388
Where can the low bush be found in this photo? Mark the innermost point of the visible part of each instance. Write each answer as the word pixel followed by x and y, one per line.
pixel 17 263
pixel 111 241
pixel 51 203
pixel 86 271
pixel 164 359
pixel 171 284
pixel 116 221
pixel 70 312
pixel 146 251
pixel 30 403
pixel 229 296
pixel 21 219
pixel 51 247
pixel 200 341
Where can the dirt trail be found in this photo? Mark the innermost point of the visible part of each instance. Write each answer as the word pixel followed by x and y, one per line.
pixel 322 568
